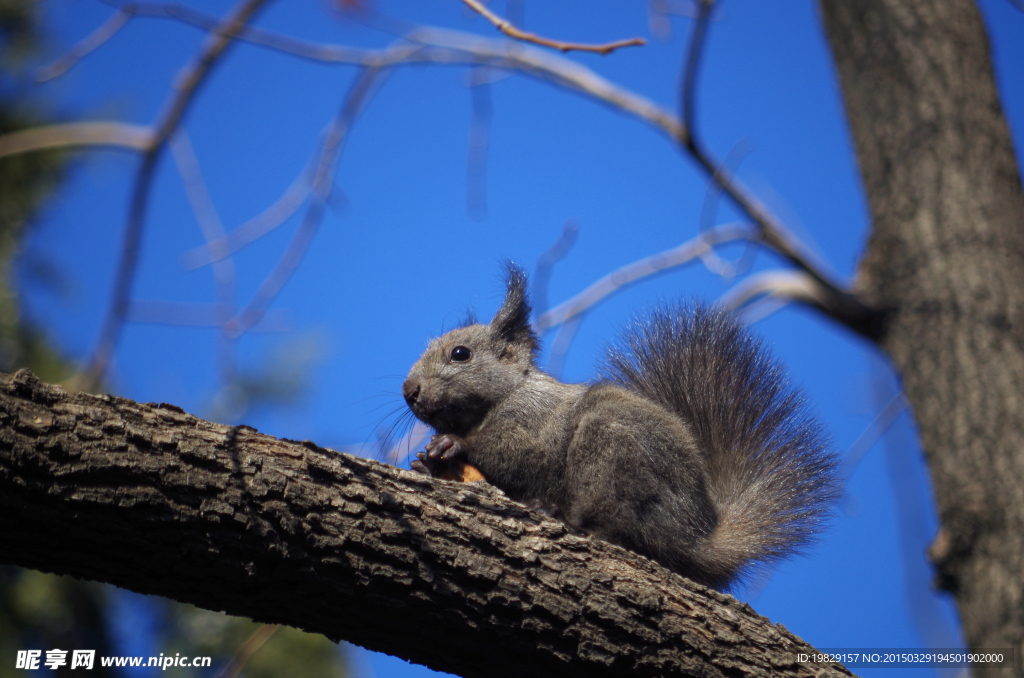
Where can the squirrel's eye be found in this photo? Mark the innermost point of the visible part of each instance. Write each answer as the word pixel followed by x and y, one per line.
pixel 460 354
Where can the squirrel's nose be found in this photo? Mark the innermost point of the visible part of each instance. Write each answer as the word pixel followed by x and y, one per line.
pixel 411 391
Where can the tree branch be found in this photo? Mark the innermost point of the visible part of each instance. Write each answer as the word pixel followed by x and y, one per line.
pixel 116 134
pixel 511 31
pixel 185 89
pixel 445 47
pixel 322 185
pixel 643 268
pixel 454 576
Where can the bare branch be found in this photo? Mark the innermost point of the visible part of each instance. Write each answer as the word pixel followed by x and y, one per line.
pixel 560 345
pixel 479 138
pixel 845 307
pixel 213 232
pixel 323 182
pixel 794 286
pixel 257 36
pixel 185 89
pixel 190 314
pixel 258 638
pixel 688 86
pixel 874 431
pixel 644 268
pixel 257 227
pixel 454 48
pixel 546 262
pixel 116 134
pixel 94 40
pixel 511 31
pixel 708 212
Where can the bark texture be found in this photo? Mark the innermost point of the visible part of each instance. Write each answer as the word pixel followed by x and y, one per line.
pixel 945 263
pixel 451 575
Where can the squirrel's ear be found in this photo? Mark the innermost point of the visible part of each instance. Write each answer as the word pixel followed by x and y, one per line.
pixel 512 321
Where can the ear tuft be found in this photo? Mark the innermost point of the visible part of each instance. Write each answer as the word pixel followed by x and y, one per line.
pixel 511 324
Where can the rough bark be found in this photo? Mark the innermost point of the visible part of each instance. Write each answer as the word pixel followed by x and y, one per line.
pixel 946 263
pixel 451 575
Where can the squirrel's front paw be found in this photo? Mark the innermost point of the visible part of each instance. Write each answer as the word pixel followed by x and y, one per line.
pixel 425 465
pixel 443 459
pixel 445 447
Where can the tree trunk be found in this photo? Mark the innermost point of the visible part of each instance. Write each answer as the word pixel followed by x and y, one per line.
pixel 451 575
pixel 945 262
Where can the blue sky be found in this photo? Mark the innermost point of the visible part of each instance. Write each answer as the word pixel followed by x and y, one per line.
pixel 398 260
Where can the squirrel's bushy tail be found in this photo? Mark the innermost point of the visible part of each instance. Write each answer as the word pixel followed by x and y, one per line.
pixel 771 473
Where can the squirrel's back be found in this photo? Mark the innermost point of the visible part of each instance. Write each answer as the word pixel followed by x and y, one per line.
pixel 770 473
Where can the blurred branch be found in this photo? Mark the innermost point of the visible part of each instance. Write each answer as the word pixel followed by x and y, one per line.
pixel 709 210
pixel 479 137
pixel 844 306
pixel 257 36
pixel 186 86
pixel 788 286
pixel 638 270
pixel 511 31
pixel 117 134
pixel 659 11
pixel 213 232
pixel 441 47
pixel 873 432
pixel 257 227
pixel 430 45
pixel 445 47
pixel 257 640
pixel 191 314
pixel 94 40
pixel 546 262
pixel 689 85
pixel 560 345
pixel 323 182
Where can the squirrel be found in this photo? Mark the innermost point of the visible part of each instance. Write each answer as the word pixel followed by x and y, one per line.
pixel 691 450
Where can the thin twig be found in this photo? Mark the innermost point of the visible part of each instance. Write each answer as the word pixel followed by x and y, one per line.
pixel 213 231
pixel 322 185
pixel 260 225
pixel 94 40
pixel 259 637
pixel 546 262
pixel 560 345
pixel 846 307
pixel 454 48
pixel 788 285
pixel 115 134
pixel 760 309
pixel 687 88
pixel 511 31
pixel 199 314
pixel 709 210
pixel 479 138
pixel 874 431
pixel 258 36
pixel 783 284
pixel 184 93
pixel 638 270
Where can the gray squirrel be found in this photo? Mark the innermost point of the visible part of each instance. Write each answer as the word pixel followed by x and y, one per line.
pixel 691 450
